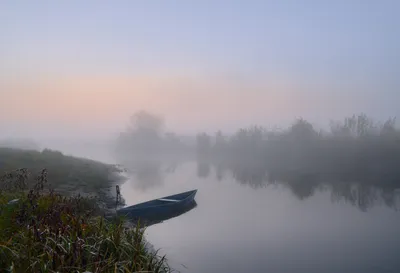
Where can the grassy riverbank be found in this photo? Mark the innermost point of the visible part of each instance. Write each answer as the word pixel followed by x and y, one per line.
pixel 67 175
pixel 43 230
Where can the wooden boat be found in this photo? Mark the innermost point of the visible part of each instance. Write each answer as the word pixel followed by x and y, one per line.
pixel 160 209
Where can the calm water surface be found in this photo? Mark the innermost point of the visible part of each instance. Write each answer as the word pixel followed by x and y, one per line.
pixel 241 226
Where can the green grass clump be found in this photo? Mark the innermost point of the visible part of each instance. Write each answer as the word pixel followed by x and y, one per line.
pixel 46 232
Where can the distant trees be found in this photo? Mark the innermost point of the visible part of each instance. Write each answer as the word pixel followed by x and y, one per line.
pixel 302 130
pixel 221 145
pixel 354 126
pixel 358 159
pixel 145 138
pixel 144 121
pixel 362 126
pixel 203 146
pixel 388 128
pixel 355 150
pixel 352 147
pixel 142 136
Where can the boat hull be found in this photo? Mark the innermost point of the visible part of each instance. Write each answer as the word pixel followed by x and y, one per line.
pixel 161 209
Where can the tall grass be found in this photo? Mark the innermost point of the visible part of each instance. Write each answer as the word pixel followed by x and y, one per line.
pixel 67 174
pixel 46 232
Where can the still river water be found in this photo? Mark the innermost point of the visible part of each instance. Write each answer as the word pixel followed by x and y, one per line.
pixel 242 224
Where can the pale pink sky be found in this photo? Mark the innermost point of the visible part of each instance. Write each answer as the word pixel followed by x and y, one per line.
pixel 94 105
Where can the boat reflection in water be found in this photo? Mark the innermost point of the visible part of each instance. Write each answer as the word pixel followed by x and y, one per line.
pixel 159 210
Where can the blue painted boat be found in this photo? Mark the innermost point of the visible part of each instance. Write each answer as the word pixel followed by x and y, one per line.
pixel 160 209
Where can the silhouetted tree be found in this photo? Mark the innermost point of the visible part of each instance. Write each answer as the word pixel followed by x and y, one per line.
pixel 143 120
pixel 302 130
pixel 144 138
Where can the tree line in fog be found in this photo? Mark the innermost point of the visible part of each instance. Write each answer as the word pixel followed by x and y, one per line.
pixel 357 158
pixel 356 139
pixel 355 149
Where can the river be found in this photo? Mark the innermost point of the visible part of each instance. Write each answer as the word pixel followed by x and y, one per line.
pixel 244 224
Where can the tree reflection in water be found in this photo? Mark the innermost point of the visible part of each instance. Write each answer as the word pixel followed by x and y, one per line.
pixel 362 192
pixel 146 174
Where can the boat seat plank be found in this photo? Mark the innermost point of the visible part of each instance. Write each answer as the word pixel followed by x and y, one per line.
pixel 168 200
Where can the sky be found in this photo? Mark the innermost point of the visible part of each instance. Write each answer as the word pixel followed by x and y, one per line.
pixel 81 68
